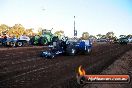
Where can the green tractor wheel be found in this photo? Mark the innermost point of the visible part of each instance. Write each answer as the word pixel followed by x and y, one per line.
pixel 43 41
pixel 34 40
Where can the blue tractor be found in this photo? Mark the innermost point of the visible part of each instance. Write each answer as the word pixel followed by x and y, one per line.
pixel 68 47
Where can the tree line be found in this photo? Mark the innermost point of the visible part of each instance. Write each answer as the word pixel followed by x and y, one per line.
pixel 18 30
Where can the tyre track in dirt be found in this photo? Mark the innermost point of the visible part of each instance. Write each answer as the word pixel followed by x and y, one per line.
pixel 16 59
pixel 22 65
pixel 68 80
pixel 18 64
pixel 42 73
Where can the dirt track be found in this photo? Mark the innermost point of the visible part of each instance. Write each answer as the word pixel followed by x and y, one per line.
pixel 22 67
pixel 123 65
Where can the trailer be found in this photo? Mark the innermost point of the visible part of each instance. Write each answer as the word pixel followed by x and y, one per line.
pixel 15 42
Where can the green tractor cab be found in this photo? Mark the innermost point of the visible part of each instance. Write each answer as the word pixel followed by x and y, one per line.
pixel 46 38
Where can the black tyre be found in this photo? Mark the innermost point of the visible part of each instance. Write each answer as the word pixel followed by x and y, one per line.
pixel 55 39
pixel 70 50
pixel 123 43
pixel 0 43
pixel 32 40
pixel 88 50
pixel 12 44
pixel 19 44
pixel 43 41
pixel 25 43
pixel 52 56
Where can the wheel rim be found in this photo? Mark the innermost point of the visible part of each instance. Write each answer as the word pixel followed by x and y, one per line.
pixel 73 51
pixel 12 44
pixel 88 50
pixel 0 43
pixel 53 56
pixel 19 44
pixel 45 41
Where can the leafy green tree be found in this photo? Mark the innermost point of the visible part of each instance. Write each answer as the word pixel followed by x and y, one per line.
pixel 92 37
pixel 110 35
pixel 59 33
pixel 29 32
pixel 17 30
pixel 129 36
pixel 4 28
pixel 103 37
pixel 85 35
pixel 99 36
pixel 40 31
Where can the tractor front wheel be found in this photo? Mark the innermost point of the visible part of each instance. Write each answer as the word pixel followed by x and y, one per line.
pixel 88 50
pixel 71 51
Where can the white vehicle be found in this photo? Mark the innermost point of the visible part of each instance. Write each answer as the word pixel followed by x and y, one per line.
pixel 130 39
pixel 23 37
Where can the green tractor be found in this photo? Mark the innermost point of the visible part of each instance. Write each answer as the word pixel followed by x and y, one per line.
pixel 34 40
pixel 46 38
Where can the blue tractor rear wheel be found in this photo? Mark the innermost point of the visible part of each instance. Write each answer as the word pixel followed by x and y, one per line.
pixel 87 50
pixel 70 50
